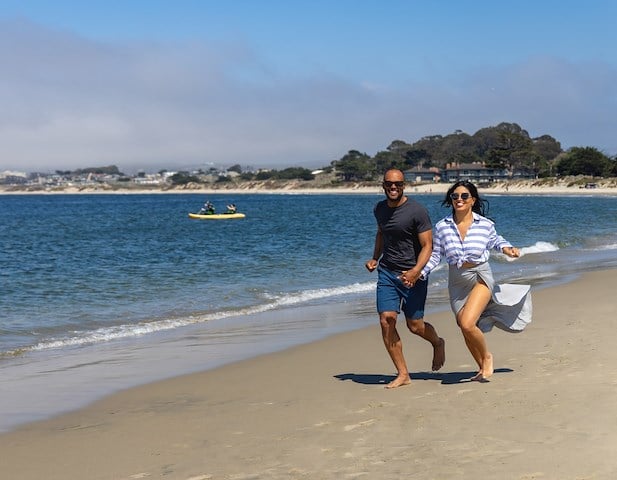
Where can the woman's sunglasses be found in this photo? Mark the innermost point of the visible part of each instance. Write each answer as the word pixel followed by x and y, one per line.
pixel 388 184
pixel 464 196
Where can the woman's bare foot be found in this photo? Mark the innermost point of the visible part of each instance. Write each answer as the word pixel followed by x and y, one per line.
pixel 399 381
pixel 486 371
pixel 487 366
pixel 439 355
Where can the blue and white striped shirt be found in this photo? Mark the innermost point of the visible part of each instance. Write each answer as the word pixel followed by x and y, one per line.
pixel 475 248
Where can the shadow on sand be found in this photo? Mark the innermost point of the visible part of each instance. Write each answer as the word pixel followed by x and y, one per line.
pixel 450 378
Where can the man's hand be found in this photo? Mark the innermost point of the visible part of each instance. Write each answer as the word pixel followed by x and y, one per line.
pixel 409 277
pixel 371 265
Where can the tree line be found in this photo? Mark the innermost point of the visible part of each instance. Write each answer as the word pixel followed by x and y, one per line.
pixel 291 173
pixel 505 146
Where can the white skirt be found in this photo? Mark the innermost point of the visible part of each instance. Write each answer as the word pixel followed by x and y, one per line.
pixel 510 306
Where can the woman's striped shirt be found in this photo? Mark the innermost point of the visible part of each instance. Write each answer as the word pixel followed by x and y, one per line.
pixel 480 239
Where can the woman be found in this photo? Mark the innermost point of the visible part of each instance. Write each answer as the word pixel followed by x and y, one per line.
pixel 465 239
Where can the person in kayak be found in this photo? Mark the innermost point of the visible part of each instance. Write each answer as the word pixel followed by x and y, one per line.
pixel 207 209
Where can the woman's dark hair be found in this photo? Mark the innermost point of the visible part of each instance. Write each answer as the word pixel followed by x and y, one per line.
pixel 480 206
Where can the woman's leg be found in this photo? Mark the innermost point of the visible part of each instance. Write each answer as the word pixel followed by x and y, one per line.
pixel 467 317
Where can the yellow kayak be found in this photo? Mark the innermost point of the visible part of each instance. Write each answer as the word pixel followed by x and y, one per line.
pixel 216 216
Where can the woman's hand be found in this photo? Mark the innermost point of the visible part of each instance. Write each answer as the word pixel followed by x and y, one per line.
pixel 409 278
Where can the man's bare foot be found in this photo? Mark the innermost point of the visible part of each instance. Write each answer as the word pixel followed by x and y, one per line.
pixel 439 355
pixel 399 381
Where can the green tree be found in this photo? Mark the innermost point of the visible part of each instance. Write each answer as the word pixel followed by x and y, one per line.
pixel 457 147
pixel 384 160
pixel 355 166
pixel 265 175
pixel 182 178
pixel 110 170
pixel 426 151
pixel 295 172
pixel 496 158
pixel 415 157
pixel 498 146
pixel 546 147
pixel 584 161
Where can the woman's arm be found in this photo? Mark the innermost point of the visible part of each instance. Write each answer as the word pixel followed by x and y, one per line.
pixel 496 241
pixel 435 257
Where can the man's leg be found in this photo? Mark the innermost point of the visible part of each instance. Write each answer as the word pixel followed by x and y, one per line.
pixel 427 332
pixel 414 302
pixel 394 346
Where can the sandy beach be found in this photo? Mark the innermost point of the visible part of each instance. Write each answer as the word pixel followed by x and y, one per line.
pixel 522 187
pixel 320 410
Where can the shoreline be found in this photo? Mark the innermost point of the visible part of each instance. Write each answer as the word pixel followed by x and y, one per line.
pixel 265 417
pixel 295 188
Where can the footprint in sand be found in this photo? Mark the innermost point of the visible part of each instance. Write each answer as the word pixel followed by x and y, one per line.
pixel 322 424
pixel 534 475
pixel 349 428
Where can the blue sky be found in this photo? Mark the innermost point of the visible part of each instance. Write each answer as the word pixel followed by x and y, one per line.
pixel 264 83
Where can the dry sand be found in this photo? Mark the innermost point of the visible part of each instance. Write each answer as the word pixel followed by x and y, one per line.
pixel 320 411
pixel 528 187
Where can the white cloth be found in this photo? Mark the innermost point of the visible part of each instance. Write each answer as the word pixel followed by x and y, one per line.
pixel 510 307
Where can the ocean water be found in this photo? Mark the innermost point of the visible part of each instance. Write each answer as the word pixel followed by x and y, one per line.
pixel 103 292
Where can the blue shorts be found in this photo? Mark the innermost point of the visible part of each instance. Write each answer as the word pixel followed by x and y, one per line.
pixel 392 295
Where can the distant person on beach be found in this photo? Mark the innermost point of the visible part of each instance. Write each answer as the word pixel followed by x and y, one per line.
pixel 403 245
pixel 465 238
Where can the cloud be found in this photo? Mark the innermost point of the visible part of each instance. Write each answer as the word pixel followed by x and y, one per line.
pixel 70 102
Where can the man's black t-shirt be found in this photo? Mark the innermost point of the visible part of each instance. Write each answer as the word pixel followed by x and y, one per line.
pixel 400 227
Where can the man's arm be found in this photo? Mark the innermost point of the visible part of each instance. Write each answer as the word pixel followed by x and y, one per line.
pixel 372 263
pixel 426 249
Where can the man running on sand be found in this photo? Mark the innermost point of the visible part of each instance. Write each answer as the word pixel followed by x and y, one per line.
pixel 403 245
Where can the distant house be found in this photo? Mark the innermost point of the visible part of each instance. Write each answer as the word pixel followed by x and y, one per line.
pixel 420 175
pixel 523 174
pixel 13 178
pixel 474 172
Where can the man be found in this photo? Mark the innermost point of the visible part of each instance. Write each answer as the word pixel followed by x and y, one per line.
pixel 403 245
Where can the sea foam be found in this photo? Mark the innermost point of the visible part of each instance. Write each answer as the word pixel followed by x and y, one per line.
pixel 117 332
pixel 538 247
